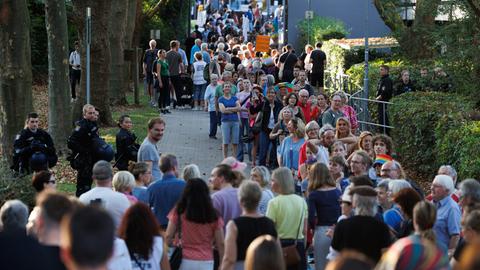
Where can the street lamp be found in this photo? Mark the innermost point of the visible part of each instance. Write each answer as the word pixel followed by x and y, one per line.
pixel 88 40
pixel 365 79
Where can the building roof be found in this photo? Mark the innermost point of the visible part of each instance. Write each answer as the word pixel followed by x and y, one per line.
pixel 373 42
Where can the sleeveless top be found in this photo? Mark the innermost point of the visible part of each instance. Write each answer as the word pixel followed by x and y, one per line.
pixel 250 228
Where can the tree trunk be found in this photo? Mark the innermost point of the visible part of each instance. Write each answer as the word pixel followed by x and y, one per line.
pixel 117 27
pixel 139 19
pixel 129 67
pixel 417 36
pixel 15 71
pixel 59 114
pixel 99 55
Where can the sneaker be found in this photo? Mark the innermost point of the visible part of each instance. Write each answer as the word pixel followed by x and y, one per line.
pixel 212 137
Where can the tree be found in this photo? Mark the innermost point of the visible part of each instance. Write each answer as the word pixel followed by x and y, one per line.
pixel 415 40
pixel 117 33
pixel 100 55
pixel 15 71
pixel 59 115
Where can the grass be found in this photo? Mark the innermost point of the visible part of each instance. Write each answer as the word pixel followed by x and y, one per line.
pixel 140 115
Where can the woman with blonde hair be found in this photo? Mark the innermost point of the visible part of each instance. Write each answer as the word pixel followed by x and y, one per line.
pixel 288 212
pixel 261 175
pixel 288 154
pixel 124 182
pixel 365 143
pixel 143 177
pixel 323 210
pixel 344 133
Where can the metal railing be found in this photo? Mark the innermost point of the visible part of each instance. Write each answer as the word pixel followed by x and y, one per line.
pixel 358 101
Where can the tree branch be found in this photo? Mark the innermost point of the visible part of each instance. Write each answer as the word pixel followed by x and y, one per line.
pixel 475 6
pixel 154 10
pixel 388 11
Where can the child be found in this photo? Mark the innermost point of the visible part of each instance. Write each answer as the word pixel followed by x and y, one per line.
pixel 339 149
pixel 210 105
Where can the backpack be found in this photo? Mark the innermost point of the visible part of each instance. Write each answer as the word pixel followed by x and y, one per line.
pixel 206 72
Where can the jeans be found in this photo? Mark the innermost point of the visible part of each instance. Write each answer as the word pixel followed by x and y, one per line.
pixel 244 130
pixel 199 92
pixel 164 98
pixel 230 132
pixel 264 144
pixel 213 123
pixel 321 247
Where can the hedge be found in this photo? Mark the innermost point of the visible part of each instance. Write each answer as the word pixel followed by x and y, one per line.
pixel 460 147
pixel 321 28
pixel 419 119
pixel 15 187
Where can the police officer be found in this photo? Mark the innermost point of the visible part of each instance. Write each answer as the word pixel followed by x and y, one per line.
pixel 81 142
pixel 127 148
pixel 384 93
pixel 33 148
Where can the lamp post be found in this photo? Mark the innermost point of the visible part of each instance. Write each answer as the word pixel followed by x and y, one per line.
pixel 365 80
pixel 88 40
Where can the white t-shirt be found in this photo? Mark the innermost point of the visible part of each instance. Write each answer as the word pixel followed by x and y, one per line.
pixel 121 258
pixel 153 263
pixel 322 154
pixel 198 68
pixel 114 202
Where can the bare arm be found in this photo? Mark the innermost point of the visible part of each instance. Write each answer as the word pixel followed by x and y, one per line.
pixel 453 242
pixel 230 256
pixel 313 147
pixel 170 233
pixel 222 108
pixel 219 244
pixel 164 263
pixel 349 140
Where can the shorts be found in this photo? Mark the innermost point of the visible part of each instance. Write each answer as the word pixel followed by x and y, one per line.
pixel 196 265
pixel 230 132
pixel 149 78
pixel 317 79
pixel 199 92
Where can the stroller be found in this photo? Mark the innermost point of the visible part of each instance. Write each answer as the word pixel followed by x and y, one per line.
pixel 186 90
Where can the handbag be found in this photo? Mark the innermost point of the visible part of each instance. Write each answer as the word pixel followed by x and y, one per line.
pixel 282 67
pixel 290 253
pixel 177 256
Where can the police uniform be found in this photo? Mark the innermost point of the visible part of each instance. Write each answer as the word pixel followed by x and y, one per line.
pixel 127 148
pixel 28 143
pixel 82 160
pixel 385 91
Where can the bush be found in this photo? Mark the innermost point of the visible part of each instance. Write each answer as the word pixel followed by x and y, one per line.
pixel 418 117
pixel 459 147
pixel 321 29
pixel 15 187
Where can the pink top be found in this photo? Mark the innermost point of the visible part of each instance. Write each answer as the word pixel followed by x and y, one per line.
pixel 197 239
pixel 132 199
pixel 350 113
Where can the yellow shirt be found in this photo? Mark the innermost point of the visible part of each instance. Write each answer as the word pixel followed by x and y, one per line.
pixel 286 212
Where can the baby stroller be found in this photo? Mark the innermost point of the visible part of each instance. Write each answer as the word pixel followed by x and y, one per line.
pixel 186 90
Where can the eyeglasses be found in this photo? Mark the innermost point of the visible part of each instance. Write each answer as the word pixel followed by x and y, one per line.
pixel 303 96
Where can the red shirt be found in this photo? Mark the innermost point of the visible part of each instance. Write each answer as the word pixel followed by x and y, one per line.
pixel 306 111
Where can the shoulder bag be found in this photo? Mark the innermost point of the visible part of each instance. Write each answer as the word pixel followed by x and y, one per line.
pixel 290 253
pixel 177 256
pixel 281 67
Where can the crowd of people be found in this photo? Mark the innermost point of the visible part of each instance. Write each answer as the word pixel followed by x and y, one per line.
pixel 321 194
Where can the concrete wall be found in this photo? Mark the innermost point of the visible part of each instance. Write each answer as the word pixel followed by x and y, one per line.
pixel 351 12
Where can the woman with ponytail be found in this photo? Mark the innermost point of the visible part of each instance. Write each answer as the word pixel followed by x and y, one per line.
pixel 417 251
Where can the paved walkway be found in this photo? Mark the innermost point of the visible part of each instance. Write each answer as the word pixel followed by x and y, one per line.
pixel 186 136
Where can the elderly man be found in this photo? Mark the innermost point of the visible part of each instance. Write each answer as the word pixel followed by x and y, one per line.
pixel 196 48
pixel 447 226
pixel 362 232
pixel 304 104
pixel 114 202
pixel 470 192
pixel 393 170
pixel 331 115
pixel 449 171
pixel 13 217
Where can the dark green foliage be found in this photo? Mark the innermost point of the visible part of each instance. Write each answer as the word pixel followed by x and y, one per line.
pixel 459 147
pixel 416 117
pixel 15 188
pixel 321 29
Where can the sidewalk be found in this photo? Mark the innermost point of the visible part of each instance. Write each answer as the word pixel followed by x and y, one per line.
pixel 186 136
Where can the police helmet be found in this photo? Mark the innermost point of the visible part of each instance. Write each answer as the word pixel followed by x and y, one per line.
pixel 38 162
pixel 102 150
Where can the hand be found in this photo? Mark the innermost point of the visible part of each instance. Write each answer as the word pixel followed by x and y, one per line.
pixel 206 109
